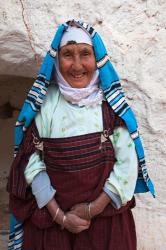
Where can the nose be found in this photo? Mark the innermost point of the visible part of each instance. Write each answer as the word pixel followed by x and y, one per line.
pixel 77 64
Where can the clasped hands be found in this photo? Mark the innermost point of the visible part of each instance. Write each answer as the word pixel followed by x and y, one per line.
pixel 79 217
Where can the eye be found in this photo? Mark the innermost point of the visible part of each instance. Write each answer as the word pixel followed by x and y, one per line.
pixel 67 54
pixel 86 53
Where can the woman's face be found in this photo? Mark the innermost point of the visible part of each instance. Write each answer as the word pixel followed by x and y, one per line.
pixel 77 64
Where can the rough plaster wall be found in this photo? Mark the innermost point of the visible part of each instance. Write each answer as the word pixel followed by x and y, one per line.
pixel 135 34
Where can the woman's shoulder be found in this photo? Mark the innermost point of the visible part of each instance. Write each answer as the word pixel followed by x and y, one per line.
pixel 51 98
pixel 50 102
pixel 44 116
pixel 52 93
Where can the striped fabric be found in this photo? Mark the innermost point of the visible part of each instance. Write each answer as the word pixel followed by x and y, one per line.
pixel 111 87
pixel 16 234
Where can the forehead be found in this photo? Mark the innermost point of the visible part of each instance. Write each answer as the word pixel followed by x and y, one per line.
pixel 76 47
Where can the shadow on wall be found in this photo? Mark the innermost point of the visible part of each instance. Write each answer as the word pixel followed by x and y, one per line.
pixel 13 92
pixel 12 95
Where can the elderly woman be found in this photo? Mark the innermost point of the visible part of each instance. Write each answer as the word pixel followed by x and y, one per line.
pixel 72 182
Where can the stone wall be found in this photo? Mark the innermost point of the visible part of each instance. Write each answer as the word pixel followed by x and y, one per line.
pixel 135 34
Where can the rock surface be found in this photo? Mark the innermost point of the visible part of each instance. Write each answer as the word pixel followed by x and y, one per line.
pixel 135 34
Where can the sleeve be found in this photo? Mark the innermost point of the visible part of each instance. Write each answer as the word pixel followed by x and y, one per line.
pixel 35 165
pixel 45 192
pixel 35 171
pixel 120 184
pixel 35 174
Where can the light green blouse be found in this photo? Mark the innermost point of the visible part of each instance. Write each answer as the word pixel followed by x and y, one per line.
pixel 59 118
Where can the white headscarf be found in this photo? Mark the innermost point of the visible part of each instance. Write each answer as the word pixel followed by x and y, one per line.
pixel 75 34
pixel 91 95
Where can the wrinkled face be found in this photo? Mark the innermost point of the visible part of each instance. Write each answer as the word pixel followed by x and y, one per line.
pixel 77 64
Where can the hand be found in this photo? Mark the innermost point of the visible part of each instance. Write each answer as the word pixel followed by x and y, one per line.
pixel 81 210
pixel 99 204
pixel 96 207
pixel 74 224
pixel 85 212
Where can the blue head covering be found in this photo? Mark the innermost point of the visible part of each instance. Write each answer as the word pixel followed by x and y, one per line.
pixel 114 94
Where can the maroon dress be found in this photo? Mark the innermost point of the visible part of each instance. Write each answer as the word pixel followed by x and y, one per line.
pixel 78 168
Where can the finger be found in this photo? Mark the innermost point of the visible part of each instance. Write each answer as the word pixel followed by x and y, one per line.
pixel 72 208
pixel 80 229
pixel 83 222
pixel 72 211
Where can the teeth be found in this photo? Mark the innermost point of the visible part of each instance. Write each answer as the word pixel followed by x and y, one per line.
pixel 79 76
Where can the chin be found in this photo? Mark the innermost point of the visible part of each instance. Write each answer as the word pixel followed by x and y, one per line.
pixel 78 85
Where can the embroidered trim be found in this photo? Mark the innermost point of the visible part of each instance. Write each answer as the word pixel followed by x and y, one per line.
pixel 52 52
pixel 102 61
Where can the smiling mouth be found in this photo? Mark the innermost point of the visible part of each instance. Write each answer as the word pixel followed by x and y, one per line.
pixel 79 76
